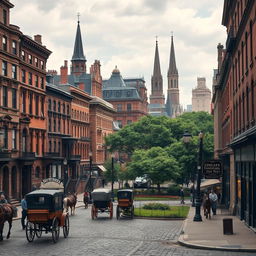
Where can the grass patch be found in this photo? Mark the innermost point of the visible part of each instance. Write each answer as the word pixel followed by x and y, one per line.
pixel 174 212
pixel 158 198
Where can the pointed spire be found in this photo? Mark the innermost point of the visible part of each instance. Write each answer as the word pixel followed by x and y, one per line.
pixel 172 62
pixel 78 53
pixel 157 69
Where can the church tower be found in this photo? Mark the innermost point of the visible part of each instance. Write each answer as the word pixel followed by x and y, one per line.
pixel 78 59
pixel 173 107
pixel 157 99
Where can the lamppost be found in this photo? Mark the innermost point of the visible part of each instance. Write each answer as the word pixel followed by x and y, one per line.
pixel 90 174
pixel 186 139
pixel 65 162
pixel 112 176
pixel 198 216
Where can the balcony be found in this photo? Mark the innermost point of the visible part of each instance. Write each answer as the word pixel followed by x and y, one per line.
pixel 74 158
pixel 28 155
pixel 5 156
pixel 230 43
pixel 52 155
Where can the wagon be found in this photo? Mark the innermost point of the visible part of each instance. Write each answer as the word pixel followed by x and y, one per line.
pixel 125 203
pixel 101 202
pixel 45 214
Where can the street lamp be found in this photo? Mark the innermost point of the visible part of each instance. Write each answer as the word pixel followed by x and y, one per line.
pixel 65 162
pixel 186 139
pixel 198 216
pixel 112 176
pixel 90 177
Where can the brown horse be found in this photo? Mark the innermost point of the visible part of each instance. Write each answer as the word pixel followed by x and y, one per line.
pixel 6 214
pixel 70 201
pixel 207 206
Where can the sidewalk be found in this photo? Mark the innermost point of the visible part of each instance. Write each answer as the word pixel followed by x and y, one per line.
pixel 208 234
pixel 80 203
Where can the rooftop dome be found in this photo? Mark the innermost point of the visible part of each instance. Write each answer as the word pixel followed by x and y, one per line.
pixel 116 71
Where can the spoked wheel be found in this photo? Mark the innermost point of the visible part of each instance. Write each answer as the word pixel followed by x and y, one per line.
pixel 117 212
pixel 66 226
pixel 30 231
pixel 132 212
pixel 55 230
pixel 38 229
pixel 111 210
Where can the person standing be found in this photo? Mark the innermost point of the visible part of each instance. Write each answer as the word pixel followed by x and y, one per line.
pixel 24 212
pixel 2 199
pixel 182 196
pixel 214 199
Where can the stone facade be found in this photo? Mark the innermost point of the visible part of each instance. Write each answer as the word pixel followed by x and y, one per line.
pixel 201 96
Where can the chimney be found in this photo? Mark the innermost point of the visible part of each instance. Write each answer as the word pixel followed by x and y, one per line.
pixel 64 73
pixel 220 55
pixel 38 38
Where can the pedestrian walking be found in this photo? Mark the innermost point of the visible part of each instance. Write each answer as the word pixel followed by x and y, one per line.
pixel 2 199
pixel 214 199
pixel 24 212
pixel 182 196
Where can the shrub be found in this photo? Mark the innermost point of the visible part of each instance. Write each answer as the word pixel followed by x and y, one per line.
pixel 173 190
pixel 156 206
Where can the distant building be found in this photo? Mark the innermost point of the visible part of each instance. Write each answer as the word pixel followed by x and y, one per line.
pixel 128 96
pixel 189 108
pixel 201 96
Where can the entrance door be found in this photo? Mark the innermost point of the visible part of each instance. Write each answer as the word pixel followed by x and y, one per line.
pixel 254 195
pixel 14 182
pixel 6 180
pixel 26 180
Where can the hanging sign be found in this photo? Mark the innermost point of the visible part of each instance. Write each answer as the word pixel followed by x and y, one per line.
pixel 212 169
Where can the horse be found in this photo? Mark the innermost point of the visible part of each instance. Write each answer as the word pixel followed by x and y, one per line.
pixel 6 214
pixel 70 201
pixel 207 206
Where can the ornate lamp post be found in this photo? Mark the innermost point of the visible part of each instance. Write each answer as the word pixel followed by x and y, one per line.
pixel 90 174
pixel 65 162
pixel 198 216
pixel 112 176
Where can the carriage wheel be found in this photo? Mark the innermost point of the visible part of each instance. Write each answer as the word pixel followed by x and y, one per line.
pixel 92 212
pixel 55 230
pixel 117 212
pixel 66 226
pixel 30 231
pixel 111 210
pixel 132 212
pixel 38 229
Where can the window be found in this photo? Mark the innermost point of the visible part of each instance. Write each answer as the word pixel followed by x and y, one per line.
pixel 129 107
pixel 54 125
pixel 5 137
pixel 120 123
pixel 37 172
pixel 24 102
pixel 50 146
pixel 42 107
pixel 4 68
pixel 30 78
pixel 50 124
pixel 59 125
pixel 30 59
pixel 42 82
pixel 37 105
pixel 4 43
pixel 14 139
pixel 14 98
pixel 59 146
pixel 31 103
pixel 36 80
pixel 119 107
pixel 23 55
pixel 246 51
pixel 14 71
pixel 49 104
pixel 37 144
pixel 42 64
pixel 54 105
pixel 251 40
pixel 4 17
pixel 14 47
pixel 64 108
pixel 59 107
pixel 23 76
pixel 129 121
pixel 67 110
pixel 5 96
pixel 54 146
pixel 36 62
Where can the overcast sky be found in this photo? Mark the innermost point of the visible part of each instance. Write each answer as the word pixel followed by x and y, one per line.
pixel 122 33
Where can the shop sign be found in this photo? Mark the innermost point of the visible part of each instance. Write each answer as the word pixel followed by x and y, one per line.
pixel 212 169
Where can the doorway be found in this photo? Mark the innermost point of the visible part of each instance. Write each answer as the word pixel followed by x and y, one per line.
pixel 26 180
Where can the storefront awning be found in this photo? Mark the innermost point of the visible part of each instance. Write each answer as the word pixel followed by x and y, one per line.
pixel 102 168
pixel 209 183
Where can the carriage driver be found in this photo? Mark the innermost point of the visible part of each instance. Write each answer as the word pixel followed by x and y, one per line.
pixel 2 199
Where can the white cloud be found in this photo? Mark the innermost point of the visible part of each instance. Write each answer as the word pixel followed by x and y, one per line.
pixel 122 33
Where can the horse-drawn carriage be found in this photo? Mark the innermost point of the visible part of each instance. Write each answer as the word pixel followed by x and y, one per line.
pixel 125 203
pixel 101 202
pixel 45 213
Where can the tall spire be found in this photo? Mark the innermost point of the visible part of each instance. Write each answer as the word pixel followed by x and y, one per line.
pixel 78 53
pixel 172 62
pixel 157 69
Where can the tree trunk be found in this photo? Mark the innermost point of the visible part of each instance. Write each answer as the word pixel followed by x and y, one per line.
pixel 158 187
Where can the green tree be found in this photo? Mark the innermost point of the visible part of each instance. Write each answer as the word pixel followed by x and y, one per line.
pixel 108 173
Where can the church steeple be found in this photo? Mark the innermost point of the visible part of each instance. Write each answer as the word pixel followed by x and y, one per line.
pixel 78 58
pixel 157 69
pixel 172 62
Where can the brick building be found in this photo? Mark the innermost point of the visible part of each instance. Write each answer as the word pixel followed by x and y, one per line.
pixel 234 109
pixel 128 96
pixel 22 107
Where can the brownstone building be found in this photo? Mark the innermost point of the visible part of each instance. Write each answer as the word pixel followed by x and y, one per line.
pixel 22 107
pixel 235 109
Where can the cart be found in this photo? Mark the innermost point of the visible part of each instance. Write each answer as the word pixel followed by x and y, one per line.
pixel 45 214
pixel 125 203
pixel 101 202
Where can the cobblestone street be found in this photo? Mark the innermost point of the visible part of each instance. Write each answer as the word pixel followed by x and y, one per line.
pixel 106 237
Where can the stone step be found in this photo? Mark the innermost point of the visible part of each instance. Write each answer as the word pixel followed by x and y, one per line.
pixel 14 202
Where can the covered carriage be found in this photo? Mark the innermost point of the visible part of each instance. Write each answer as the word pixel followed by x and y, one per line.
pixel 45 214
pixel 101 202
pixel 125 203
